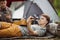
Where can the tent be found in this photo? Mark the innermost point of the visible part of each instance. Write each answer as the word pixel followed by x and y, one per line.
pixel 37 7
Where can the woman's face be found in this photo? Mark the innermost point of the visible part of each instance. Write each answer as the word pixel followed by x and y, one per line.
pixel 42 20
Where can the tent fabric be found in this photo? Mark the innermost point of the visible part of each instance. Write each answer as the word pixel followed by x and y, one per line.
pixel 31 9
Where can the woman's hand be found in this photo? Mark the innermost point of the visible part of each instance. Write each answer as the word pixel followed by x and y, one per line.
pixel 29 20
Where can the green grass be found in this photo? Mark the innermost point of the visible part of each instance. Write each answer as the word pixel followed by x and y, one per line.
pixel 58 12
pixel 57 6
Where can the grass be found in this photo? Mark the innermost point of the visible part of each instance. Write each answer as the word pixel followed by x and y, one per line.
pixel 58 12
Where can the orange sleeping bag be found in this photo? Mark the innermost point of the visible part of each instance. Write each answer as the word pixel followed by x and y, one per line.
pixel 9 30
pixel 20 22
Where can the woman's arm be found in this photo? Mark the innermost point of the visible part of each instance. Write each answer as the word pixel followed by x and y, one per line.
pixel 31 32
pixel 29 21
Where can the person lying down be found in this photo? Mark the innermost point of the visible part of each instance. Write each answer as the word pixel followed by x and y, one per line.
pixel 13 30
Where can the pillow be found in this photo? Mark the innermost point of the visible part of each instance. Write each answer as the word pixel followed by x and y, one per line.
pixel 52 28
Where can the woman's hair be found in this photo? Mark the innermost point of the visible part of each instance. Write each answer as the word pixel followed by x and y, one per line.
pixel 2 0
pixel 47 17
